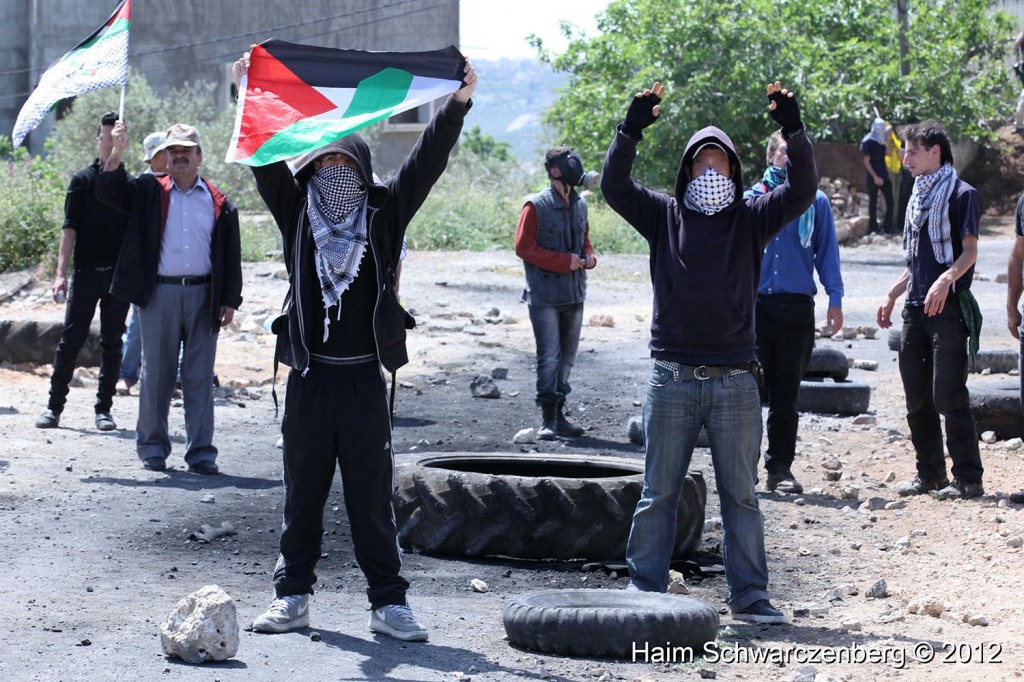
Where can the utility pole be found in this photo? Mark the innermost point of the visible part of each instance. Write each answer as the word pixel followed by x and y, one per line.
pixel 903 10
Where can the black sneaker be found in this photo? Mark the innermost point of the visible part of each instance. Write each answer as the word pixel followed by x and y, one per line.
pixel 761 611
pixel 960 490
pixel 921 487
pixel 155 464
pixel 104 422
pixel 48 420
pixel 784 482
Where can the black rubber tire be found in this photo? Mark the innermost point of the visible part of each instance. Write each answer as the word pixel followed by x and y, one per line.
pixel 558 507
pixel 996 407
pixel 635 433
pixel 827 363
pixel 833 397
pixel 894 337
pixel 996 361
pixel 608 623
pixel 36 342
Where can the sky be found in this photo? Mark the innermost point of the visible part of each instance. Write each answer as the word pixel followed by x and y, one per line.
pixel 493 30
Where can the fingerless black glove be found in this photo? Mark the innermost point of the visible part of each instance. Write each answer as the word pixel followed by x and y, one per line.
pixel 786 112
pixel 640 115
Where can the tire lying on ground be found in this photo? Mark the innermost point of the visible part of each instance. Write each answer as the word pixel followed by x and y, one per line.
pixel 996 361
pixel 996 407
pixel 36 342
pixel 833 397
pixel 894 337
pixel 608 623
pixel 827 363
pixel 635 433
pixel 530 506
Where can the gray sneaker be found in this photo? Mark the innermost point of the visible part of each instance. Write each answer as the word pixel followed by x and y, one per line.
pixel 398 622
pixel 920 486
pixel 761 611
pixel 284 615
pixel 960 490
pixel 48 420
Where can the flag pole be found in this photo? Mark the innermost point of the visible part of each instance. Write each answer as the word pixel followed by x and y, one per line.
pixel 120 108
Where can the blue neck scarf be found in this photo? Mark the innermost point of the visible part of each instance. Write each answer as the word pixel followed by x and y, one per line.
pixel 775 176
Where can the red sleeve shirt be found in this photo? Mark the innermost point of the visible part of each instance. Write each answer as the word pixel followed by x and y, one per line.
pixel 528 249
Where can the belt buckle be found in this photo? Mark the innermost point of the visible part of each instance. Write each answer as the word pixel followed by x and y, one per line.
pixel 701 373
pixel 184 281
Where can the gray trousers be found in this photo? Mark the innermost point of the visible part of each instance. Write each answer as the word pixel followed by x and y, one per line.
pixel 177 315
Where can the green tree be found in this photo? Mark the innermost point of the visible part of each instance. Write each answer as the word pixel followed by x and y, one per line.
pixel 842 58
pixel 485 146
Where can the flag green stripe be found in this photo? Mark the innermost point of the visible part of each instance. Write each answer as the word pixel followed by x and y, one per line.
pixel 310 133
pixel 384 90
pixel 119 26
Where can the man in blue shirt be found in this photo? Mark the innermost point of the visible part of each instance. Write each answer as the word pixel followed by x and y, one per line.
pixel 785 311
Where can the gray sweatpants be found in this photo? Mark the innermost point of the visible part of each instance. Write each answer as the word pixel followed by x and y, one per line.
pixel 176 315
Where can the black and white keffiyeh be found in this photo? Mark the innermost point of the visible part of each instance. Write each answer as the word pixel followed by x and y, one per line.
pixel 336 207
pixel 929 203
pixel 710 192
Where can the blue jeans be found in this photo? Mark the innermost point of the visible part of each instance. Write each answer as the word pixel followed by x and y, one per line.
pixel 556 329
pixel 131 358
pixel 729 408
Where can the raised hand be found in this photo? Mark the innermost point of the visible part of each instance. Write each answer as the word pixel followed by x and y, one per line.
pixel 783 108
pixel 643 110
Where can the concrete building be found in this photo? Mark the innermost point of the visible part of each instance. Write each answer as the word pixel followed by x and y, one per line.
pixel 198 40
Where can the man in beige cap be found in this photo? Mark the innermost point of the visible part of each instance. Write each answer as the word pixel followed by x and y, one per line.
pixel 181 265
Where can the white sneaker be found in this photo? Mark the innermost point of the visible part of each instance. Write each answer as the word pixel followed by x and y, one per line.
pixel 284 615
pixel 398 622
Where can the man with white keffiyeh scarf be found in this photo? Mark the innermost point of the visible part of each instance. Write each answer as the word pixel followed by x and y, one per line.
pixel 343 229
pixel 940 317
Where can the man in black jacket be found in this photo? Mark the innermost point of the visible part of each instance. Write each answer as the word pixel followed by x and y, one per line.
pixel 93 233
pixel 181 264
pixel 343 230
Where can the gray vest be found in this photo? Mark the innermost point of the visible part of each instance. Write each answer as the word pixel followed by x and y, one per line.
pixel 560 228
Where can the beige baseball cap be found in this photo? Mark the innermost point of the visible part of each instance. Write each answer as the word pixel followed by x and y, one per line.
pixel 179 135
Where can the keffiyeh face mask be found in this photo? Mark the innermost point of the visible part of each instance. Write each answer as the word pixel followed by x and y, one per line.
pixel 710 192
pixel 341 191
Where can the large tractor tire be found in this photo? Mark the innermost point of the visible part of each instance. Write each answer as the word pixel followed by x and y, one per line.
pixel 558 507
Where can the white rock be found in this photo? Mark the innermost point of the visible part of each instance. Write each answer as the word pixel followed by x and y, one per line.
pixel 903 541
pixel 524 436
pixel 832 464
pixel 851 624
pixel 869 365
pixel 478 585
pixel 890 477
pixel 896 504
pixel 879 590
pixel 989 437
pixel 1014 444
pixel 976 619
pixel 1015 542
pixel 202 627
pixel 926 605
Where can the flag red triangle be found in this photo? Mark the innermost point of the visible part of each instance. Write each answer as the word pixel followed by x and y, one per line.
pixel 279 96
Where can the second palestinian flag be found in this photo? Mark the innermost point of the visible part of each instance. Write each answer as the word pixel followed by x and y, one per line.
pixel 297 98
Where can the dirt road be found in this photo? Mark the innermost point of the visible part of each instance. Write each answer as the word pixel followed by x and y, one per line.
pixel 99 550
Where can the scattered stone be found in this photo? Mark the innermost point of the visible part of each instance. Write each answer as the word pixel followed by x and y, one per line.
pixel 868 332
pixel 926 606
pixel 1015 542
pixel 281 273
pixel 314 636
pixel 799 501
pixel 208 533
pixel 207 499
pixel 879 590
pixel 832 464
pixel 851 625
pixel 890 476
pixel 849 493
pixel 280 442
pixel 202 627
pixel 478 585
pixel 713 524
pixel 896 504
pixel 635 430
pixel 803 551
pixel 500 373
pixel 601 321
pixel 903 542
pixel 849 333
pixel 1014 444
pixel 483 386
pixel 976 619
pixel 1001 278
pixel 8 409
pixel 525 437
pixel 989 437
pixel 706 674
pixel 855 546
pixel 868 365
pixel 677 584
pixel 864 419
pixel 833 475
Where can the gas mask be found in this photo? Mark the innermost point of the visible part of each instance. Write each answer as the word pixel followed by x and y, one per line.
pixel 570 170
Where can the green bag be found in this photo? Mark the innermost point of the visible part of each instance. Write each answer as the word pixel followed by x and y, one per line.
pixel 972 318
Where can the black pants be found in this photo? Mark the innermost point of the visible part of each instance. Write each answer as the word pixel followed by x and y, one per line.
pixel 933 364
pixel 785 336
pixel 339 417
pixel 906 188
pixel 87 288
pixel 886 190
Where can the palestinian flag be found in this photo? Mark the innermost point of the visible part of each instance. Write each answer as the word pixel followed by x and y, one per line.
pixel 97 62
pixel 297 98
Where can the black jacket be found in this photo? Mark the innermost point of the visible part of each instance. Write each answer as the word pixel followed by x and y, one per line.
pixel 391 206
pixel 145 199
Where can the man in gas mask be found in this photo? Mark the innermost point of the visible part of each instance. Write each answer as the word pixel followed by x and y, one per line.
pixel 553 239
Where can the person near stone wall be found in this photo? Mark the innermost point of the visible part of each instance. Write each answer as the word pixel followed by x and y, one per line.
pixel 873 147
pixel 93 233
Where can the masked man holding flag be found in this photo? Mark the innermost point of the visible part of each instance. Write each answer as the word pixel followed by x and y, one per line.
pixel 342 230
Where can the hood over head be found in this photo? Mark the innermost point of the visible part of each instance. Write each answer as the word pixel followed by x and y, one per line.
pixel 352 146
pixel 716 137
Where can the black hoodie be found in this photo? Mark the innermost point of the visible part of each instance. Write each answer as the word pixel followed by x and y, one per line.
pixel 372 302
pixel 705 269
